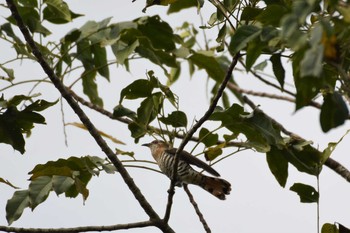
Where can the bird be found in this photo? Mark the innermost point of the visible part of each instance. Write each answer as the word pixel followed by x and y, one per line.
pixel 165 158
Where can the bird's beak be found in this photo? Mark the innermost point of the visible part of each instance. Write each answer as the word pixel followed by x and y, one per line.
pixel 146 144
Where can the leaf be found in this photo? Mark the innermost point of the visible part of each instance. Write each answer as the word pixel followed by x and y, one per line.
pixel 137 130
pixel 175 119
pixel 149 109
pixel 157 31
pixel 334 111
pixel 14 123
pixel 306 193
pixel 16 204
pixel 311 64
pixel 277 68
pixel 278 165
pixel 272 15
pixel 138 89
pixel 329 228
pixel 60 184
pixel 122 50
pixel 100 60
pixel 306 159
pixel 39 190
pixel 8 183
pixel 330 148
pixel 211 153
pixel 254 50
pixel 90 87
pixel 207 137
pixel 57 11
pixel 209 64
pixel 181 5
pixel 9 72
pixel 242 36
pixel 121 111
pixel 39 105
pixel 250 13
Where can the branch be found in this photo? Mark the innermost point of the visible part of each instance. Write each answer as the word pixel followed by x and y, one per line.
pixel 195 127
pixel 198 212
pixel 86 121
pixel 236 88
pixel 330 163
pixel 78 229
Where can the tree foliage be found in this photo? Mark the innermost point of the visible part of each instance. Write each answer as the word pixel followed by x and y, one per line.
pixel 260 36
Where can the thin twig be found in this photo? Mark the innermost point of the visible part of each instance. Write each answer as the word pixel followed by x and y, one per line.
pixel 78 229
pixel 196 208
pixel 195 127
pixel 86 121
pixel 236 88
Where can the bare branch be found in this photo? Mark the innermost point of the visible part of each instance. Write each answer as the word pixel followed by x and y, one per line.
pixel 78 229
pixel 86 121
pixel 236 88
pixel 195 127
pixel 198 212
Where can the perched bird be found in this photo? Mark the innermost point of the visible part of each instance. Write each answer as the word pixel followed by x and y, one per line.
pixel 165 157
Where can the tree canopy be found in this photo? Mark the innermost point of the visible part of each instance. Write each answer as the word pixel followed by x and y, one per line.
pixel 288 54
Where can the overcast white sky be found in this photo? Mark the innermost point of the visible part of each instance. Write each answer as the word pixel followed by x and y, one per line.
pixel 256 204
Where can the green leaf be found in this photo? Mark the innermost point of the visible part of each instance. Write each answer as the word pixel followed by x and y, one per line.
pixel 90 87
pixel 207 137
pixel 307 193
pixel 278 165
pixel 15 206
pixel 157 31
pixel 277 68
pixel 268 129
pixel 211 153
pixel 254 50
pixel 242 37
pixel 330 148
pixel 39 105
pixel 14 123
pixel 312 63
pixel 249 13
pixel 272 15
pixel 122 50
pixel 57 11
pixel 31 19
pixel 209 64
pixel 29 3
pixel 121 111
pixel 181 5
pixel 100 60
pixel 175 119
pixel 305 158
pixel 334 111
pixel 39 190
pixel 9 72
pixel 137 130
pixel 61 184
pixel 329 228
pixel 149 108
pixel 138 89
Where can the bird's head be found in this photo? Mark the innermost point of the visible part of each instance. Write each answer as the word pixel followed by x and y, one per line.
pixel 157 147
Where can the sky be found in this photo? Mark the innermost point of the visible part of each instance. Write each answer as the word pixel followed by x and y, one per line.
pixel 256 204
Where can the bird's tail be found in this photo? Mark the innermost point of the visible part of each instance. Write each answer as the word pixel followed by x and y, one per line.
pixel 216 186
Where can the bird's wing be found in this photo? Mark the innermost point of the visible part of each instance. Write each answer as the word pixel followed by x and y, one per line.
pixel 187 157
